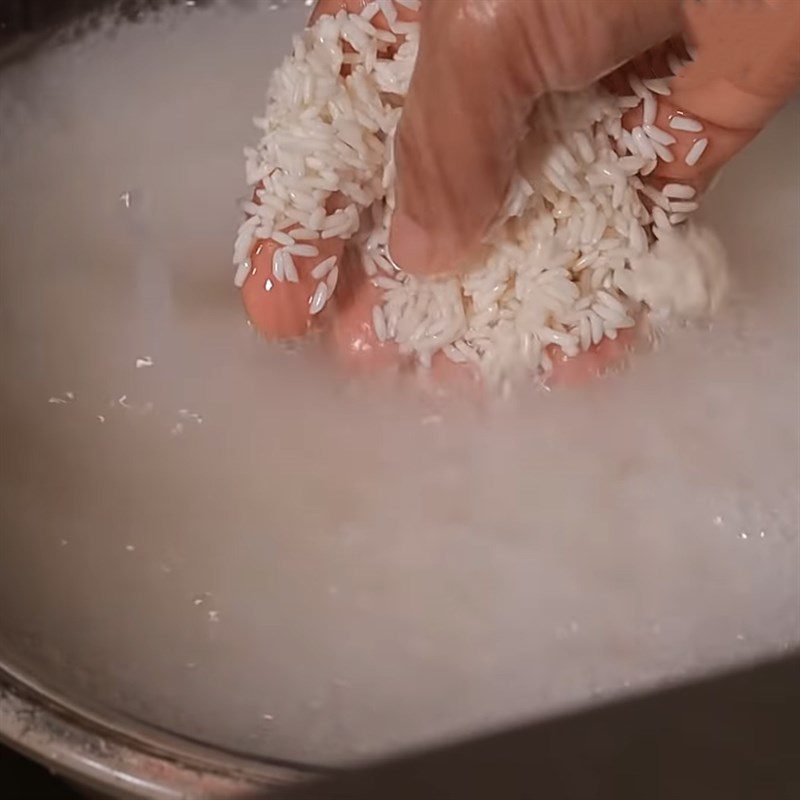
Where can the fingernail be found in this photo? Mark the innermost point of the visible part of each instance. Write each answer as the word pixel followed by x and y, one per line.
pixel 411 246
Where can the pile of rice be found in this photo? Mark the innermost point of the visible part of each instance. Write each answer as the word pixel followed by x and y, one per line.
pixel 577 255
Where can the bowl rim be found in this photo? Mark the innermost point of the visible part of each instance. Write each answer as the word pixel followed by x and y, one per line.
pixel 130 760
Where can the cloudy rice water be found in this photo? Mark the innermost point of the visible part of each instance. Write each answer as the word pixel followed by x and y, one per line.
pixel 228 539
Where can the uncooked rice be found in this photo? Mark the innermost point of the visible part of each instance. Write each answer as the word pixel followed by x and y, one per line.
pixel 576 256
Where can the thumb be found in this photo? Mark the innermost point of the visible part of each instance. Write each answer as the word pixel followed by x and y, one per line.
pixel 481 65
pixel 455 151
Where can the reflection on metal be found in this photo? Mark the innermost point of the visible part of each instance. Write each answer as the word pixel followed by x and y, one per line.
pixel 120 766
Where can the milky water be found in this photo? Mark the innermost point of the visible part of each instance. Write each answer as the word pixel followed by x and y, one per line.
pixel 231 541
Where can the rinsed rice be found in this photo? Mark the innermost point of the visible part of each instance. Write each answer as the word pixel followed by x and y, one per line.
pixel 675 64
pixel 679 123
pixel 680 191
pixel 659 135
pixel 289 268
pixel 576 256
pixel 242 271
pixel 697 150
pixel 323 268
pixel 319 298
pixel 657 85
pixel 685 206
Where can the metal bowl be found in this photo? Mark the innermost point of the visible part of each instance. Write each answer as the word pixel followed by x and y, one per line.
pixel 178 618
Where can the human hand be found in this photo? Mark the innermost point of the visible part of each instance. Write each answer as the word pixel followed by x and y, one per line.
pixel 483 63
pixel 452 226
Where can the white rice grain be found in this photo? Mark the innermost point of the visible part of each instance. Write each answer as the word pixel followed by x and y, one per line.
pixel 662 151
pixel 282 238
pixel 242 271
pixel 319 298
pixel 649 110
pixel 660 218
pixel 323 268
pixel 643 143
pixel 379 323
pixel 679 191
pixel 684 206
pixel 299 234
pixel 657 85
pixel 638 86
pixel 331 280
pixel 289 268
pixel 697 150
pixel 659 135
pixel 681 123
pixel 277 265
pixel 675 64
pixel 303 250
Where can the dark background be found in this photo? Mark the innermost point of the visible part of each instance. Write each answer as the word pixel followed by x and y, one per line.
pixel 22 779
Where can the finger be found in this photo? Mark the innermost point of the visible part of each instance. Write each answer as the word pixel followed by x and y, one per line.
pixel 352 332
pixel 607 356
pixel 746 65
pixel 455 147
pixel 726 94
pixel 281 307
pixel 355 333
pixel 277 305
pixel 747 62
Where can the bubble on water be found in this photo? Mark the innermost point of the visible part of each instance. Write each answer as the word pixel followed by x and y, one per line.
pixel 201 598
